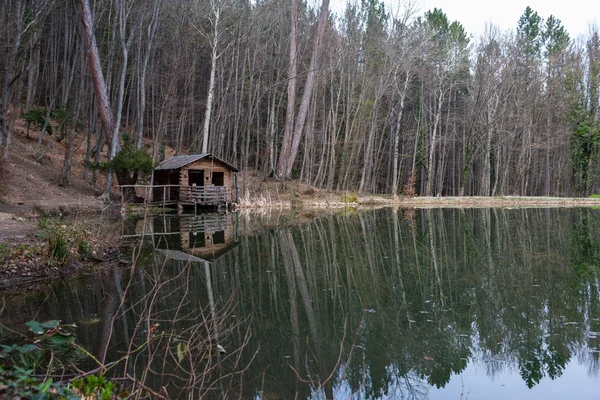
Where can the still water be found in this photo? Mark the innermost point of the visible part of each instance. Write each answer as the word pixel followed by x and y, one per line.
pixel 400 304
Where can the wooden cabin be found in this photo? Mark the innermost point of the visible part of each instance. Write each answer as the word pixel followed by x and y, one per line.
pixel 196 179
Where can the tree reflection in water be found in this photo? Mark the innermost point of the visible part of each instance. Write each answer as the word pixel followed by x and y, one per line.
pixel 370 304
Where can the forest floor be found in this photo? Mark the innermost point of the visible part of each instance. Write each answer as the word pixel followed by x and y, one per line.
pixel 29 188
pixel 29 194
pixel 33 184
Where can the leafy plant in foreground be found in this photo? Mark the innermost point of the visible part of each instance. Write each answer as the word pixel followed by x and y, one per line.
pixel 24 368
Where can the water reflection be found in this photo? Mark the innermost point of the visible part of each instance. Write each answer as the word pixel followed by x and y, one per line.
pixel 202 237
pixel 373 304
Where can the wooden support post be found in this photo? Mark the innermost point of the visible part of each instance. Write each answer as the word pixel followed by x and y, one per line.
pixel 235 187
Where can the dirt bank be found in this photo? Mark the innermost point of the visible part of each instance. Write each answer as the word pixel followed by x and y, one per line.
pixel 34 252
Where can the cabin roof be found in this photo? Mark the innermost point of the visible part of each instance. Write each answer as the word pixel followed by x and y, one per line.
pixel 177 162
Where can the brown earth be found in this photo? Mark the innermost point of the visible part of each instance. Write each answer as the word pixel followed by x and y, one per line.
pixel 15 229
pixel 34 184
pixel 30 187
pixel 28 190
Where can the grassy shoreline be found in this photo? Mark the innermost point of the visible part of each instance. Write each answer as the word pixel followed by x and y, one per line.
pixel 47 248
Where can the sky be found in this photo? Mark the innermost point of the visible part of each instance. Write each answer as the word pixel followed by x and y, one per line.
pixel 575 15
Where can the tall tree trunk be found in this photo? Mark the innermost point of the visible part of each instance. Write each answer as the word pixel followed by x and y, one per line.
pixel 100 89
pixel 65 174
pixel 396 145
pixel 430 169
pixel 213 69
pixel 288 129
pixel 10 66
pixel 125 46
pixel 142 84
pixel 368 157
pixel 308 89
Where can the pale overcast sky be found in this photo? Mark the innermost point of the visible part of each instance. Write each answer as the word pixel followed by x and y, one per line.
pixel 576 15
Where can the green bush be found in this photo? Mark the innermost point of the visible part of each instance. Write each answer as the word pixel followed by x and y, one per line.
pixel 4 251
pixel 20 383
pixel 37 117
pixel 128 160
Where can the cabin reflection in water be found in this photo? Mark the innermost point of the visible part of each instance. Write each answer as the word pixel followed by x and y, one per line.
pixel 200 237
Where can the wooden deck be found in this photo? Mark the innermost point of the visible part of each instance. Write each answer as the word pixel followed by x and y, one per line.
pixel 168 195
pixel 203 195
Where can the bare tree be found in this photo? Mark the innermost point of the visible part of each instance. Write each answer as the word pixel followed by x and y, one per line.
pixel 287 158
pixel 91 48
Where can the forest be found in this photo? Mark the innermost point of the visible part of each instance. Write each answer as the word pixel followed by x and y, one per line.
pixel 369 100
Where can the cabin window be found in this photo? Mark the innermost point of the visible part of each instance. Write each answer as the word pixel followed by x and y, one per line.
pixel 196 177
pixel 197 240
pixel 218 237
pixel 218 179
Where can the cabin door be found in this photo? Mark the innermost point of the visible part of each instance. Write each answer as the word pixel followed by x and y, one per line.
pixel 174 190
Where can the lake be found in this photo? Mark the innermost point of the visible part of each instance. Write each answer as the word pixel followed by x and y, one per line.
pixel 402 304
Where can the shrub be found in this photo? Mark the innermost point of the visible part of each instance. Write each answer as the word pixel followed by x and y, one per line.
pixel 57 245
pixel 37 117
pixel 93 385
pixel 57 238
pixel 4 252
pixel 83 249
pixel 409 189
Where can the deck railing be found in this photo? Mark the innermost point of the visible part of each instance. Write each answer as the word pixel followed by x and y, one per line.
pixel 174 194
pixel 209 195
